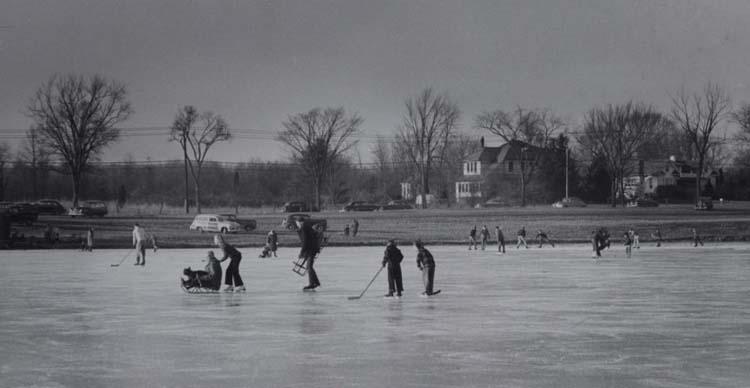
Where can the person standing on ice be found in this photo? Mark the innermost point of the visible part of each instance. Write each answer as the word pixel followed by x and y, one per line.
pixel 311 242
pixel 485 235
pixel 657 236
pixel 500 240
pixel 628 241
pixel 139 242
pixel 355 227
pixel 426 264
pixel 392 258
pixel 232 279
pixel 696 238
pixel 90 239
pixel 473 238
pixel 521 236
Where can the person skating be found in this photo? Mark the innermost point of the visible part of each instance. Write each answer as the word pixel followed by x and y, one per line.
pixel 392 258
pixel 628 242
pixel 541 238
pixel 139 242
pixel 485 235
pixel 696 238
pixel 473 238
pixel 311 242
pixel 210 278
pixel 521 236
pixel 596 244
pixel 346 230
pixel 500 240
pixel 657 236
pixel 90 240
pixel 636 239
pixel 272 243
pixel 233 280
pixel 355 227
pixel 426 264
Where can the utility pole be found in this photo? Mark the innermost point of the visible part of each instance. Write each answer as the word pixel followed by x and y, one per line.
pixel 567 150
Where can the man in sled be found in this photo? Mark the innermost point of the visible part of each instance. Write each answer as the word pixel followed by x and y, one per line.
pixel 209 279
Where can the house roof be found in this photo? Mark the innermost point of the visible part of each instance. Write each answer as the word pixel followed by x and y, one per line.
pixel 511 150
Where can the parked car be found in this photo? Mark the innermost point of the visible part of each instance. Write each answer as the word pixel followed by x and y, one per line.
pixel 704 203
pixel 214 223
pixel 21 213
pixel 495 202
pixel 643 202
pixel 89 209
pixel 49 206
pixel 290 222
pixel 246 224
pixel 295 206
pixel 397 205
pixel 360 206
pixel 569 202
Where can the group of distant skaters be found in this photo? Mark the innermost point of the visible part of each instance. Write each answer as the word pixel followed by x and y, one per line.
pixel 600 239
pixel 483 238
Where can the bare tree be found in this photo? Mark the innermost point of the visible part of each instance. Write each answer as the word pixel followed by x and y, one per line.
pixel 742 117
pixel 698 115
pixel 381 151
pixel 4 158
pixel 35 155
pixel 76 117
pixel 427 127
pixel 317 139
pixel 615 134
pixel 532 128
pixel 197 133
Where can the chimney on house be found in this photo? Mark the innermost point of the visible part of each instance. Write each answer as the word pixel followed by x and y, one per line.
pixel 481 142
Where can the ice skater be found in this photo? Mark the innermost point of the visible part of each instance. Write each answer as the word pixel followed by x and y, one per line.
pixel 139 243
pixel 636 238
pixel 521 237
pixel 271 244
pixel 657 236
pixel 355 227
pixel 426 264
pixel 392 258
pixel 541 238
pixel 473 238
pixel 485 235
pixel 232 279
pixel 311 243
pixel 696 238
pixel 595 242
pixel 628 242
pixel 89 246
pixel 500 240
pixel 346 230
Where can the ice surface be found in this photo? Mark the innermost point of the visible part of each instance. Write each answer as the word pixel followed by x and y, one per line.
pixel 675 316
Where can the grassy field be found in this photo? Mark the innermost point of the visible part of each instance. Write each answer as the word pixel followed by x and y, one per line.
pixel 727 222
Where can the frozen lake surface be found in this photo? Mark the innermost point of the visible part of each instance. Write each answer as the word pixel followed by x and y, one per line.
pixel 675 316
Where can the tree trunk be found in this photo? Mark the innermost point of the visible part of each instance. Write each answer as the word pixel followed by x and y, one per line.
pixel 198 193
pixel 425 187
pixel 523 188
pixel 187 190
pixel 317 182
pixel 76 187
pixel 698 176
pixel 613 190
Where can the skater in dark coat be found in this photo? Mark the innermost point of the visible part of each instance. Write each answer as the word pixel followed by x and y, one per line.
pixel 500 240
pixel 232 278
pixel 355 227
pixel 628 241
pixel 485 235
pixel 473 238
pixel 596 243
pixel 696 238
pixel 209 278
pixel 392 258
pixel 426 264
pixel 310 248
pixel 541 238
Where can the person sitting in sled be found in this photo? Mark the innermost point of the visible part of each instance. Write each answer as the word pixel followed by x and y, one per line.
pixel 210 278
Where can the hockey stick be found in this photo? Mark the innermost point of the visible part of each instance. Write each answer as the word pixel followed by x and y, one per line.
pixel 368 286
pixel 123 259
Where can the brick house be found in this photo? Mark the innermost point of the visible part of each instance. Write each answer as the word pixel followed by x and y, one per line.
pixel 504 160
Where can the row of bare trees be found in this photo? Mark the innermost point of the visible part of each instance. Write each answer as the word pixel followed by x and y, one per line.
pixel 76 118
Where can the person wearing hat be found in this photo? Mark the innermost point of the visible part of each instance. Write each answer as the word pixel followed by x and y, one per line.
pixel 426 264
pixel 392 258
pixel 233 280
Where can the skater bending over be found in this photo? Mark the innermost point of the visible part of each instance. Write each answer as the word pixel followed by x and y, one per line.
pixel 311 242
pixel 232 279
pixel 392 258
pixel 541 238
pixel 426 264
pixel 209 278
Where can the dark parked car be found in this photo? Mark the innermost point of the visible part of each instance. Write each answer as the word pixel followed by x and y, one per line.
pixel 397 205
pixel 360 206
pixel 290 222
pixel 89 209
pixel 643 202
pixel 247 224
pixel 49 206
pixel 295 206
pixel 21 213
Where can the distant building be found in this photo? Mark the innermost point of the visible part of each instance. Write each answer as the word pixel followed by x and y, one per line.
pixel 505 159
pixel 667 179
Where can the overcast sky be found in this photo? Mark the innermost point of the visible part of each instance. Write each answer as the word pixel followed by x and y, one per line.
pixel 257 62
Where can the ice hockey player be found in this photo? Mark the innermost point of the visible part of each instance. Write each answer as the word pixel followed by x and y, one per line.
pixel 426 264
pixel 392 259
